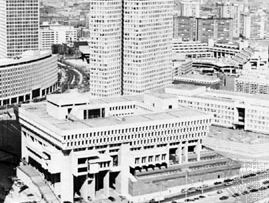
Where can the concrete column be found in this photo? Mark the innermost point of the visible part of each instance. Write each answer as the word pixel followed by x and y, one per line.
pixel 67 183
pixel 198 148
pixel 84 188
pixel 179 154
pixel 186 152
pixel 91 187
pixel 23 147
pixel 106 184
pixel 122 181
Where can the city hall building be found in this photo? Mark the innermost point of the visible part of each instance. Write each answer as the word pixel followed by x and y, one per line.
pixel 86 146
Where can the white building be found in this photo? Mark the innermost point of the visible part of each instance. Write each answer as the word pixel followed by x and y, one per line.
pixel 229 109
pixel 190 8
pixel 147 45
pixel 132 54
pixel 19 27
pixel 105 25
pixel 32 76
pixel 56 34
pixel 234 11
pixel 89 145
pixel 254 25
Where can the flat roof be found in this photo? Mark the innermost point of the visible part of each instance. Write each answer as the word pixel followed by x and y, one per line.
pixel 27 56
pixel 198 77
pixel 79 98
pixel 222 95
pixel 185 86
pixel 231 95
pixel 240 136
pixel 38 112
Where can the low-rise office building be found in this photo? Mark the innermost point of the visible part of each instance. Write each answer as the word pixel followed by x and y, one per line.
pixel 34 75
pixel 84 145
pixel 229 109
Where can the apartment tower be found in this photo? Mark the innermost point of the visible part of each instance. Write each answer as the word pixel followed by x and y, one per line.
pixel 131 46
pixel 19 27
pixel 105 24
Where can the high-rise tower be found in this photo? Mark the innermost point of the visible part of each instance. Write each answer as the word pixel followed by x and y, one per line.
pixel 105 24
pixel 131 46
pixel 147 45
pixel 19 27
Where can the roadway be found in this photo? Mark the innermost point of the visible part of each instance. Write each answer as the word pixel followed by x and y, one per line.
pixel 241 181
pixel 73 78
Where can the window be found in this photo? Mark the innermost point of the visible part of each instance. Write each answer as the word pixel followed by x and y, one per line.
pixel 143 159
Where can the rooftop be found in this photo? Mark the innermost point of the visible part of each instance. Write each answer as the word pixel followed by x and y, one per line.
pixel 81 98
pixel 198 77
pixel 25 57
pixel 39 114
pixel 222 95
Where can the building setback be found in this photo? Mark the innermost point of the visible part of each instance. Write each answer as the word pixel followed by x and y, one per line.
pixel 19 27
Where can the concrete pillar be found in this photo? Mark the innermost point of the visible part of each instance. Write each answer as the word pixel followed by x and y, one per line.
pixel 67 183
pixel 179 154
pixel 186 152
pixel 91 187
pixel 106 184
pixel 23 147
pixel 122 180
pixel 197 149
pixel 84 188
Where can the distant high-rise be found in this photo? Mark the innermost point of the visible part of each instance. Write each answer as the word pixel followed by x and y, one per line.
pixel 19 27
pixel 253 25
pixel 190 8
pixel 219 29
pixel 130 45
pixel 233 11
pixel 56 34
pixel 185 28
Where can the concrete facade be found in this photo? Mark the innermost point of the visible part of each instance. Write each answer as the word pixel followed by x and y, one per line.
pixel 33 76
pixel 85 146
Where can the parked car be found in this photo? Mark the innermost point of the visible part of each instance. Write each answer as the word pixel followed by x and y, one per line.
pixel 217 183
pixel 224 198
pixel 112 199
pixel 236 194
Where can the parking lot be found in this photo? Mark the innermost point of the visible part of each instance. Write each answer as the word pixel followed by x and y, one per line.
pixel 246 189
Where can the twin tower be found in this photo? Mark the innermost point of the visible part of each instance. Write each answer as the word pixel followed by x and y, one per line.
pixel 130 46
